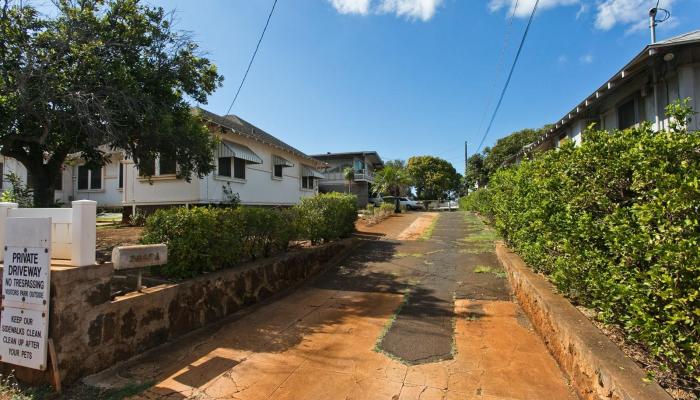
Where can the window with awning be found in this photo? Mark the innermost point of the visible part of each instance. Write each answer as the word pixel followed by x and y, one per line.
pixel 235 150
pixel 279 164
pixel 308 177
pixel 232 159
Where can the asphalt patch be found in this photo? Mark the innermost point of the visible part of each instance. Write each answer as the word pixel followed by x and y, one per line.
pixel 423 330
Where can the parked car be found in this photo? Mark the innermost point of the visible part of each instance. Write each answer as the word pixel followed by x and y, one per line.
pixel 404 201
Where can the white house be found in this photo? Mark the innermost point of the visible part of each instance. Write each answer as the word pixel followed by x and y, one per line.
pixel 258 167
pixel 661 73
pixel 77 182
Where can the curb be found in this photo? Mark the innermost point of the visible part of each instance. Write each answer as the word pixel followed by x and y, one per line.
pixel 596 367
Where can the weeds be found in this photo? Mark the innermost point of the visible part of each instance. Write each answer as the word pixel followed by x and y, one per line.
pixel 429 232
pixel 483 269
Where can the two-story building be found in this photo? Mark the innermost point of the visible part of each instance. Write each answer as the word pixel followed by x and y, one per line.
pixel 363 164
pixel 661 73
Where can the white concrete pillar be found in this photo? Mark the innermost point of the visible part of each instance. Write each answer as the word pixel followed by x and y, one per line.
pixel 4 210
pixel 84 233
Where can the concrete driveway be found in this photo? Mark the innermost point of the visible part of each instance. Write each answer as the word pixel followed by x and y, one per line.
pixel 399 319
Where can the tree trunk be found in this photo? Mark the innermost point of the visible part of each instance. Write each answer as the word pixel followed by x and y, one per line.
pixel 43 183
pixel 397 202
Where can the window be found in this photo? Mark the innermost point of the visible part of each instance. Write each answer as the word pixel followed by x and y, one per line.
pixel 158 167
pixel 121 176
pixel 307 182
pixel 278 169
pixel 231 167
pixel 239 168
pixel 147 167
pixel 30 180
pixel 167 165
pixel 58 183
pixel 89 178
pixel 626 115
pixel 224 166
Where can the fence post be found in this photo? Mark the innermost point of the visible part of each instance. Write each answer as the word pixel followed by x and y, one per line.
pixel 84 231
pixel 4 210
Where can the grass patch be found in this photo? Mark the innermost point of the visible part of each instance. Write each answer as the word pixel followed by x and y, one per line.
pixel 483 269
pixel 486 235
pixel 429 232
pixel 10 389
pixel 126 391
pixel 402 255
pixel 477 248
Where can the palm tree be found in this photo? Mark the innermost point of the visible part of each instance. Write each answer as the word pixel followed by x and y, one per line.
pixel 349 176
pixel 392 179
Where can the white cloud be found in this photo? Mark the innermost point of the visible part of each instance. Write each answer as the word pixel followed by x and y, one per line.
pixel 563 59
pixel 351 6
pixel 625 12
pixel 582 10
pixel 634 14
pixel 412 9
pixel 423 9
pixel 524 7
pixel 586 58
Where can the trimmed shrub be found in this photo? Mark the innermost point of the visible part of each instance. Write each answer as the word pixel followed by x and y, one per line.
pixel 266 231
pixel 205 239
pixel 615 224
pixel 199 239
pixel 326 217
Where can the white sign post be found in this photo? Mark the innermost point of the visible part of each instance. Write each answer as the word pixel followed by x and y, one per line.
pixel 26 285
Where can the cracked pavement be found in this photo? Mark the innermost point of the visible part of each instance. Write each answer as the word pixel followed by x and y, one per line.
pixel 459 335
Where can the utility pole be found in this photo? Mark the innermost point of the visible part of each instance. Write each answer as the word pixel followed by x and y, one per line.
pixel 652 23
pixel 466 166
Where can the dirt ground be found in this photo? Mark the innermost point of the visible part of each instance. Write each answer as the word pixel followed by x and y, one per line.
pixel 110 236
pixel 398 320
pixel 391 227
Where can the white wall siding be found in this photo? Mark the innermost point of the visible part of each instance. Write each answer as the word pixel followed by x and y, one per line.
pixel 258 188
pixel 11 165
pixel 110 195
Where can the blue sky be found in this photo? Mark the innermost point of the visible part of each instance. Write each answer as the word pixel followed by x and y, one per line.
pixel 413 77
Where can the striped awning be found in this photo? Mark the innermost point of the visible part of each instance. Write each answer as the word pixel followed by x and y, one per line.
pixel 311 173
pixel 277 160
pixel 230 149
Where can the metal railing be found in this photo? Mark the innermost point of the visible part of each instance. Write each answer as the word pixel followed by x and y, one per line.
pixel 360 175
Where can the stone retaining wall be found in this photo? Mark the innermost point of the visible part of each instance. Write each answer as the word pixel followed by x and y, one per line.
pixel 92 332
pixel 597 368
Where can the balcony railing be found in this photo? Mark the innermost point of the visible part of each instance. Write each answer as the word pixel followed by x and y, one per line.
pixel 360 175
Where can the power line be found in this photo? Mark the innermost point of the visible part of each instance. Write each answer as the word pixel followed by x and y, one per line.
pixel 272 10
pixel 510 75
pixel 499 65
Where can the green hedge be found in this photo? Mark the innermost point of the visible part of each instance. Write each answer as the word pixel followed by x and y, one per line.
pixel 479 201
pixel 615 225
pixel 205 239
pixel 328 216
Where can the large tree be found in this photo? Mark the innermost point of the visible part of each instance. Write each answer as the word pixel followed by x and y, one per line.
pixel 96 75
pixel 477 175
pixel 508 146
pixel 433 177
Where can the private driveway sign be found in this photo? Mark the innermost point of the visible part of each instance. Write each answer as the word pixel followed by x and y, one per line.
pixel 26 287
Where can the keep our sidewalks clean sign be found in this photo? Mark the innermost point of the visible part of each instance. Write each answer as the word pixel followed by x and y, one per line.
pixel 26 283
